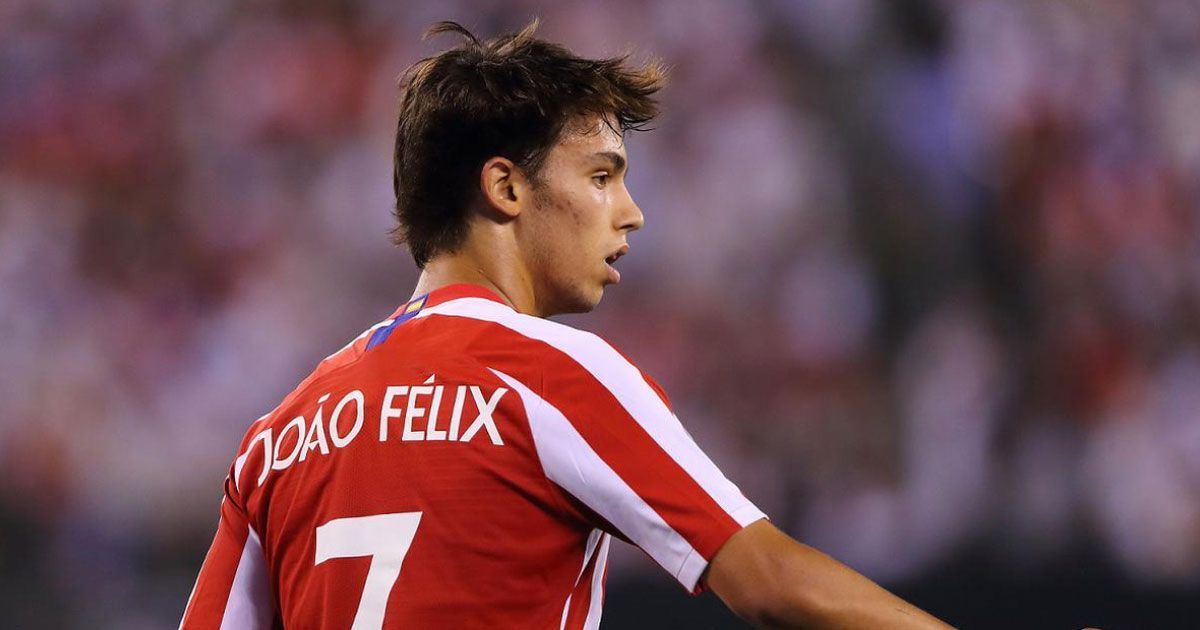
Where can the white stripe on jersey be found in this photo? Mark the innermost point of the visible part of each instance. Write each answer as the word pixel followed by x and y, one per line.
pixel 593 538
pixel 249 603
pixel 571 463
pixel 626 384
pixel 596 602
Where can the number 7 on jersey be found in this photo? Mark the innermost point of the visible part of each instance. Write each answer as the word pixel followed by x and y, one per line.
pixel 386 539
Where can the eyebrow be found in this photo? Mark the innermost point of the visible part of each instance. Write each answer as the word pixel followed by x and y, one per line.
pixel 617 160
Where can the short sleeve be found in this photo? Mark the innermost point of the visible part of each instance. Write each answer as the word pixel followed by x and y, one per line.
pixel 605 434
pixel 232 589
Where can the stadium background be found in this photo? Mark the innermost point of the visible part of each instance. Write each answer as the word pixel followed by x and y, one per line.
pixel 922 277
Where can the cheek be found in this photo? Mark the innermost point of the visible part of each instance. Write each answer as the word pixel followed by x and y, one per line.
pixel 553 245
pixel 568 232
pixel 566 227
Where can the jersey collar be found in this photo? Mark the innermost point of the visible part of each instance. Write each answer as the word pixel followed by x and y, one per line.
pixel 445 294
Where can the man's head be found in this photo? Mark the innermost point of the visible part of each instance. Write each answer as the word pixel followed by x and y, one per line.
pixel 519 133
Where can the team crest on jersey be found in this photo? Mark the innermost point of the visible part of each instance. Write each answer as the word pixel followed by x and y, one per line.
pixel 428 412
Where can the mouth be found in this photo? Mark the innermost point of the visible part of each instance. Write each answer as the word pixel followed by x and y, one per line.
pixel 614 276
pixel 619 252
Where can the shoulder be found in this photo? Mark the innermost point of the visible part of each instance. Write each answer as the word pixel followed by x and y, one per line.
pixel 564 354
pixel 548 335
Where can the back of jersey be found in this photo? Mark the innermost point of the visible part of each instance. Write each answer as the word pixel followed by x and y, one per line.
pixel 399 481
pixel 403 485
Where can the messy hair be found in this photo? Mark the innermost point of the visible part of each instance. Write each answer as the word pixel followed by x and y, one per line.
pixel 510 96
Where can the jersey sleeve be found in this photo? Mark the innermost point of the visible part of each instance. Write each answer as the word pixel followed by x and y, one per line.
pixel 233 589
pixel 605 434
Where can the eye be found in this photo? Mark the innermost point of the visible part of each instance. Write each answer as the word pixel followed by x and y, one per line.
pixel 601 179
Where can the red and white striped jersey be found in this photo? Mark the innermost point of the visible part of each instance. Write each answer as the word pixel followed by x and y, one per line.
pixel 459 465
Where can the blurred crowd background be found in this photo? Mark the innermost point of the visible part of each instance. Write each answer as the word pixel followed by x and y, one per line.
pixel 922 277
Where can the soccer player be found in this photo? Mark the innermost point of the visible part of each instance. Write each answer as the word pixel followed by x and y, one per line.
pixel 467 462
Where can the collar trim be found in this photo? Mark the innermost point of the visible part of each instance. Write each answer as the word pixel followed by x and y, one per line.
pixel 445 294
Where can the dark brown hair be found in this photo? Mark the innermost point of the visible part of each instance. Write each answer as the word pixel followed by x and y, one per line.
pixel 510 96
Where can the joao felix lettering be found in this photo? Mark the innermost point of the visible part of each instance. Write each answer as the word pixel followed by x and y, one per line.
pixel 416 410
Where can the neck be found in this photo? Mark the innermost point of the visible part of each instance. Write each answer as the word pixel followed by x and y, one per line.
pixel 506 278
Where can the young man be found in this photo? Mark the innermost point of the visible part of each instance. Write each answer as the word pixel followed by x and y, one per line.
pixel 466 462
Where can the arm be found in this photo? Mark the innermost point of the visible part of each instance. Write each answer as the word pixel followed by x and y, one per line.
pixel 773 581
pixel 232 589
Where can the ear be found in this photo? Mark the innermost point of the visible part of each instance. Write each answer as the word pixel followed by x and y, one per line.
pixel 503 185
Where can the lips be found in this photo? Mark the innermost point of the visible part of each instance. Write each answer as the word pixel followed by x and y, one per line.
pixel 614 276
pixel 617 253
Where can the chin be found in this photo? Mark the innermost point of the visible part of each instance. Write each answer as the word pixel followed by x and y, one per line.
pixel 580 300
pixel 585 305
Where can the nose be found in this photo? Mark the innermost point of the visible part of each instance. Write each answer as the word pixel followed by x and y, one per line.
pixel 631 218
